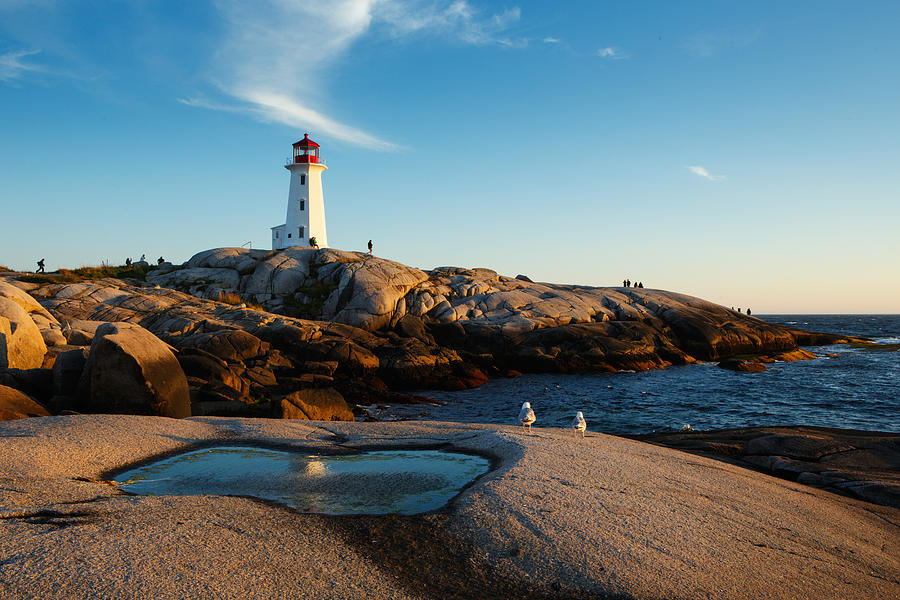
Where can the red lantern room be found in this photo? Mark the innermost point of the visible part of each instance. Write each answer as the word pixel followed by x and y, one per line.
pixel 306 151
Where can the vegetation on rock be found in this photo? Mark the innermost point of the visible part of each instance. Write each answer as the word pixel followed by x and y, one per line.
pixel 89 274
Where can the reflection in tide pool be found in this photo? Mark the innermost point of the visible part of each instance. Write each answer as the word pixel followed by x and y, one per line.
pixel 394 481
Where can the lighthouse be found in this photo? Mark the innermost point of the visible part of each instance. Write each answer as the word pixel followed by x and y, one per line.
pixel 306 202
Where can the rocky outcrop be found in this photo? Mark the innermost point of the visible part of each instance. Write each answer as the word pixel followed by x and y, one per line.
pixel 316 405
pixel 742 366
pixel 130 371
pixel 240 320
pixel 16 405
pixel 520 323
pixel 861 464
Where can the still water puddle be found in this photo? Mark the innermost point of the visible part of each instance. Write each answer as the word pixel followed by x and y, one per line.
pixel 381 482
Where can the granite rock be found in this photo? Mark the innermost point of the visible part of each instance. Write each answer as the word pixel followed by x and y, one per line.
pixel 129 370
pixel 316 405
pixel 16 405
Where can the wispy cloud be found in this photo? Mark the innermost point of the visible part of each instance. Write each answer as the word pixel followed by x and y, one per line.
pixel 700 171
pixel 274 54
pixel 611 53
pixel 708 43
pixel 456 19
pixel 550 40
pixel 12 67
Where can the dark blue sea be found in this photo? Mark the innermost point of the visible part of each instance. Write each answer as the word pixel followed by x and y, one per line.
pixel 852 389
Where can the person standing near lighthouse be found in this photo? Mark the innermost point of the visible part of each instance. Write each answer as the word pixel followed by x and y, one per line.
pixel 305 219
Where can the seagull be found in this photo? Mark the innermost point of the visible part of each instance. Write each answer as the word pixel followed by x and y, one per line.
pixel 526 415
pixel 579 424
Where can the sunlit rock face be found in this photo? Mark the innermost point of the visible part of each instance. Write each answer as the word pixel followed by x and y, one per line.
pixel 16 405
pixel 375 294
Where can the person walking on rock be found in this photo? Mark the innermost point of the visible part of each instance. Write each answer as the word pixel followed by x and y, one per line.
pixel 40 265
pixel 370 246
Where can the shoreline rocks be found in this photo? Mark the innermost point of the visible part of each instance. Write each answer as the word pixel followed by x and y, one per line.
pixel 237 330
pixel 859 464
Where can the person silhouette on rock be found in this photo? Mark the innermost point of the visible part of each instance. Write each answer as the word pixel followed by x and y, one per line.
pixel 313 242
pixel 370 246
pixel 40 265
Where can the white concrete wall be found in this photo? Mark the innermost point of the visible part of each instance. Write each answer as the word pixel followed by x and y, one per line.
pixel 312 217
pixel 278 240
pixel 316 206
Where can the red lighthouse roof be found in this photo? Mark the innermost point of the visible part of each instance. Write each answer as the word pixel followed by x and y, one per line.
pixel 306 151
pixel 306 142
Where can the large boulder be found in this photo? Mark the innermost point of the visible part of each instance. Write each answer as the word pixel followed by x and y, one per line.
pixel 242 260
pixel 369 290
pixel 131 371
pixel 312 404
pixel 67 371
pixel 280 274
pixel 16 405
pixel 50 329
pixel 21 343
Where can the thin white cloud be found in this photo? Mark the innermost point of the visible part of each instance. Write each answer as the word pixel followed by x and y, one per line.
pixel 457 19
pixel 709 43
pixel 275 54
pixel 284 109
pixel 12 67
pixel 550 40
pixel 611 53
pixel 700 171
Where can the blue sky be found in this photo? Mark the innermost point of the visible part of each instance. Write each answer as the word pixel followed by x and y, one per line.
pixel 742 152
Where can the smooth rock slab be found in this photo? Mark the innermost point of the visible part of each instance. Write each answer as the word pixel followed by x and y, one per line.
pixel 603 517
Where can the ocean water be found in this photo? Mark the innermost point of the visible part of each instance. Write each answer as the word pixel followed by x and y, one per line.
pixel 844 387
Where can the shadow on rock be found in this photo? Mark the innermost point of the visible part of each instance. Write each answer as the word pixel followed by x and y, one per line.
pixel 430 562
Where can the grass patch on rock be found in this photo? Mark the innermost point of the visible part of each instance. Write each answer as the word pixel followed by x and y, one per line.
pixel 88 273
pixel 316 295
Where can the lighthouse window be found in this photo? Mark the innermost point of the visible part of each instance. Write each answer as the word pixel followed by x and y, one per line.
pixel 303 180
pixel 303 205
pixel 276 235
pixel 289 235
pixel 301 233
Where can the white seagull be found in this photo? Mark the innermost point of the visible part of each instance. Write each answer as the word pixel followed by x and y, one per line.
pixel 579 424
pixel 526 415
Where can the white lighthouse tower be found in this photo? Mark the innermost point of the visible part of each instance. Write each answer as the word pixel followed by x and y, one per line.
pixel 306 201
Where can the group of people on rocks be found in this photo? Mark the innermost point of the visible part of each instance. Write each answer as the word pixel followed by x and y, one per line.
pixel 128 262
pixel 739 310
pixel 627 283
pixel 143 261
